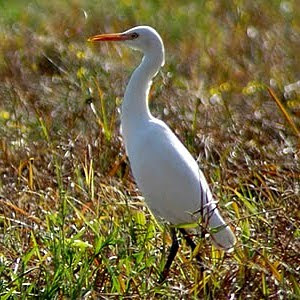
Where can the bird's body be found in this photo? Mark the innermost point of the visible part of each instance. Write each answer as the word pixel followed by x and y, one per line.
pixel 169 178
pixel 172 175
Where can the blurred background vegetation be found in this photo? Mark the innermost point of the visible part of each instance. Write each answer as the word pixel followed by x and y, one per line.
pixel 72 223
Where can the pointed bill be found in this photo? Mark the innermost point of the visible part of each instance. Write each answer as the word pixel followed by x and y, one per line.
pixel 110 37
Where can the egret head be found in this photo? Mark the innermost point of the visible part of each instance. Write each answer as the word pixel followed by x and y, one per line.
pixel 142 38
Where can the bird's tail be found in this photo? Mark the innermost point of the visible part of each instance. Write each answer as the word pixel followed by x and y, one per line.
pixel 221 234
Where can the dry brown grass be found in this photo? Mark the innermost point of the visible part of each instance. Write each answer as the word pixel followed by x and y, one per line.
pixel 72 224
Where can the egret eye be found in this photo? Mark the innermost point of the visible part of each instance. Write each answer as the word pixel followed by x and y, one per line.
pixel 134 35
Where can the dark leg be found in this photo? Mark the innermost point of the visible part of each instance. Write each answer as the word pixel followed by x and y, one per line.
pixel 171 256
pixel 191 243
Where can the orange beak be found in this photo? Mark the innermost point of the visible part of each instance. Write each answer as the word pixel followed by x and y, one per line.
pixel 110 37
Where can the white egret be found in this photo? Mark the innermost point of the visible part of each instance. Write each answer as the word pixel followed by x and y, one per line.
pixel 169 178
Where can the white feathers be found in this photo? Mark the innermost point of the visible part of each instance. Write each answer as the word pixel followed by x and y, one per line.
pixel 167 175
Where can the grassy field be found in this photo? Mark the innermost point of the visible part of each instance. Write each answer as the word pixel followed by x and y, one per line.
pixel 72 222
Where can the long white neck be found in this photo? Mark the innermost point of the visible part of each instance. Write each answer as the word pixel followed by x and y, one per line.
pixel 135 105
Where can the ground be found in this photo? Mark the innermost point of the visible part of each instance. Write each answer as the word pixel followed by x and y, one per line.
pixel 72 222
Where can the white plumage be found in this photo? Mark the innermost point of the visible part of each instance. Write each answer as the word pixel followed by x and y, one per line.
pixel 166 173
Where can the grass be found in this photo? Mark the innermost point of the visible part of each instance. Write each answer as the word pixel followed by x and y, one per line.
pixel 72 223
